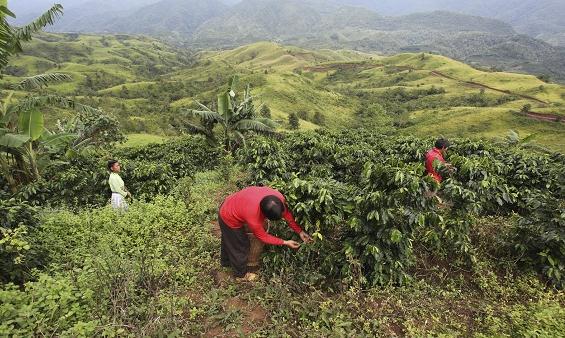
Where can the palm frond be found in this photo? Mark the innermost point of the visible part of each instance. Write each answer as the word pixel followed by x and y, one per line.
pixel 529 138
pixel 266 121
pixel 203 106
pixel 196 129
pixel 48 18
pixel 58 139
pixel 6 37
pixel 206 115
pixel 13 140
pixel 240 138
pixel 41 80
pixel 253 125
pixel 56 101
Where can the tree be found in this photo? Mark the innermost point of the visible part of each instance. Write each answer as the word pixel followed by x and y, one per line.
pixel 319 118
pixel 124 92
pixel 265 111
pixel 293 121
pixel 234 117
pixel 526 108
pixel 303 114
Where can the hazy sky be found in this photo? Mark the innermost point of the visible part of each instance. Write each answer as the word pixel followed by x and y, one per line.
pixel 25 7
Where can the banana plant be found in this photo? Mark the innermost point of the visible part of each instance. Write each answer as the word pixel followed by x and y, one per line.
pixel 24 141
pixel 11 37
pixel 234 117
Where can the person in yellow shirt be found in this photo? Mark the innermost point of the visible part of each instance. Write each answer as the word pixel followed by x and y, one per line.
pixel 119 191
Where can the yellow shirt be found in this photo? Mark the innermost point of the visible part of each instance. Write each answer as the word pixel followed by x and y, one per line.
pixel 117 184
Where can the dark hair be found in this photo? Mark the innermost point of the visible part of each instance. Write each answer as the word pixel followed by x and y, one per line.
pixel 272 207
pixel 442 143
pixel 111 164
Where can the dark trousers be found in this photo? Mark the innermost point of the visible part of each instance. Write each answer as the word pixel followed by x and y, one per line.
pixel 235 248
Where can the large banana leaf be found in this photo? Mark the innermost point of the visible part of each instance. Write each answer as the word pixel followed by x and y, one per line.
pixel 58 140
pixel 224 106
pixel 41 80
pixel 35 102
pixel 13 140
pixel 206 115
pixel 234 81
pixel 48 18
pixel 253 125
pixel 32 124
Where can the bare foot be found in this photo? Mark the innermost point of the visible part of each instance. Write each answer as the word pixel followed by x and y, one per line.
pixel 249 277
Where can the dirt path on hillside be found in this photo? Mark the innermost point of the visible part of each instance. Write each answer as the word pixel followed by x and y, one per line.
pixel 339 66
pixel 480 85
pixel 545 117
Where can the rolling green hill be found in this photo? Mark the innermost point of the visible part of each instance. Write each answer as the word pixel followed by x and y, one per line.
pixel 309 24
pixel 145 83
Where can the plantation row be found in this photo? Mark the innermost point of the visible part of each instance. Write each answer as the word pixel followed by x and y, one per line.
pixel 365 198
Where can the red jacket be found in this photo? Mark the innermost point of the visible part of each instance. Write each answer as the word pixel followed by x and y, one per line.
pixel 243 207
pixel 431 156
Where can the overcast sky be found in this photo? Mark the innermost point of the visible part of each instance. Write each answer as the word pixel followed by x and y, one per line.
pixel 26 7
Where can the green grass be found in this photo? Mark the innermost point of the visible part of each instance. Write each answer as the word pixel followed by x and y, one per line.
pixel 140 140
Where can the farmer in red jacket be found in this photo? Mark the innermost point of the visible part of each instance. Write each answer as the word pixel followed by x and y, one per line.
pixel 437 154
pixel 252 206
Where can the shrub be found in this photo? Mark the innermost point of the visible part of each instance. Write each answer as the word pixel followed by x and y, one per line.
pixel 49 306
pixel 17 220
pixel 394 201
pixel 147 172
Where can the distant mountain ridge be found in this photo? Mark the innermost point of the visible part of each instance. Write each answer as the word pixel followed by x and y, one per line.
pixel 304 23
pixel 537 18
pixel 205 24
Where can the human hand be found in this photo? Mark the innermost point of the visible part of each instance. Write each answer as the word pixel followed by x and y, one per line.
pixel 292 244
pixel 305 237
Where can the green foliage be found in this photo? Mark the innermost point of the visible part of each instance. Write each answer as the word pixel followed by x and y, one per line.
pixel 393 201
pixel 129 265
pixel 147 171
pixel 17 220
pixel 11 38
pixel 293 121
pixel 234 117
pixel 319 118
pixel 265 111
pixel 48 306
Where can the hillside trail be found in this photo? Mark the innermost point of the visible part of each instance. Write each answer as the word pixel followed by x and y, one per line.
pixel 545 117
pixel 480 85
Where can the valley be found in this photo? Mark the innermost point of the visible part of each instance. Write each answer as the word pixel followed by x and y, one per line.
pixel 145 83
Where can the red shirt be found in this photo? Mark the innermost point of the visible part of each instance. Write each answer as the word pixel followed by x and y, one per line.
pixel 243 207
pixel 431 156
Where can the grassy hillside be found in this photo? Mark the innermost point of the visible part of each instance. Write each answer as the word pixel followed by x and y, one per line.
pixel 144 83
pixel 410 93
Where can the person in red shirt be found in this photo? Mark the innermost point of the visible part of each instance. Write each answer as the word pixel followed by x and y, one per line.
pixel 436 154
pixel 252 206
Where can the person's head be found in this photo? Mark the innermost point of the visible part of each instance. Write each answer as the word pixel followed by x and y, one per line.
pixel 272 207
pixel 114 166
pixel 442 144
